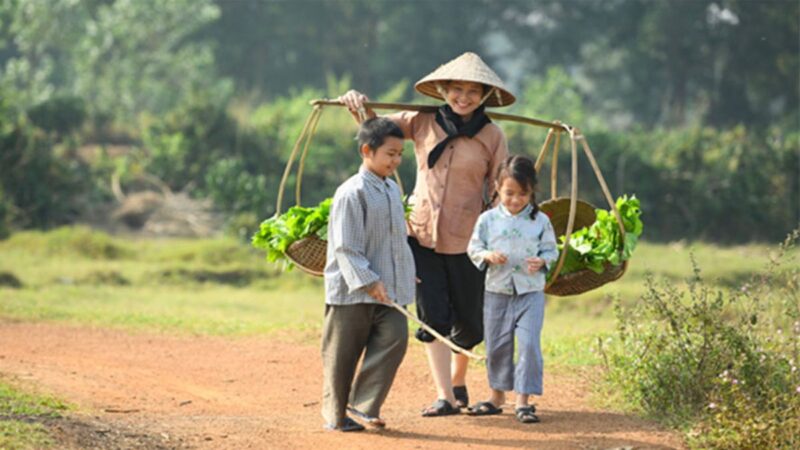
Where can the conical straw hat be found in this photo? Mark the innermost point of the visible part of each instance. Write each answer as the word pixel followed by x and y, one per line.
pixel 467 67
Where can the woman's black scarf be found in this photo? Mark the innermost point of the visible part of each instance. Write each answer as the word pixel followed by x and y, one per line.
pixel 454 126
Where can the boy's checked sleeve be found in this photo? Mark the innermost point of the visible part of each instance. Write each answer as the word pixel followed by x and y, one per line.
pixel 346 231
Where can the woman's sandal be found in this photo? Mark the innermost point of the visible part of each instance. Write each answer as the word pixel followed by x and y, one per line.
pixel 526 414
pixel 440 408
pixel 483 409
pixel 461 395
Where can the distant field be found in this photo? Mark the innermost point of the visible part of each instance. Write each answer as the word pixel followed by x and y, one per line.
pixel 222 287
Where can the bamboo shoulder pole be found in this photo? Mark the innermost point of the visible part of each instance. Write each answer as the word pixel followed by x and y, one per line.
pixel 432 108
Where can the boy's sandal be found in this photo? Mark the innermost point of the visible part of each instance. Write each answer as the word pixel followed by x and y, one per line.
pixel 461 395
pixel 526 414
pixel 484 409
pixel 440 408
pixel 376 422
pixel 347 425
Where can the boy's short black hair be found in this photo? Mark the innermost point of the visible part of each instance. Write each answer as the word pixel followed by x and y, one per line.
pixel 375 130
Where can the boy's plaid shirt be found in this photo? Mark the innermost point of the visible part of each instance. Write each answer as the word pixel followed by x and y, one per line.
pixel 367 242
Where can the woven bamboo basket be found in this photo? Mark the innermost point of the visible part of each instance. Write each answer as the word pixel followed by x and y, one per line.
pixel 569 213
pixel 584 280
pixel 309 255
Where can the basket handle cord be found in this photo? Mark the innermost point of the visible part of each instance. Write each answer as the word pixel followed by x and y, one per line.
pixel 304 141
pixel 554 136
pixel 311 121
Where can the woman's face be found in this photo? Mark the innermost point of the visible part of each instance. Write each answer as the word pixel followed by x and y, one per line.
pixel 464 97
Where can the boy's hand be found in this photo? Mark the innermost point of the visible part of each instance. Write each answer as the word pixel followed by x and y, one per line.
pixel 495 258
pixel 534 264
pixel 377 291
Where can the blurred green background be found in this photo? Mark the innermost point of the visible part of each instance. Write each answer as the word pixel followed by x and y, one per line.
pixel 691 105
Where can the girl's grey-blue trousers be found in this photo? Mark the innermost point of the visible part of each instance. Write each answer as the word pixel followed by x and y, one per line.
pixel 504 318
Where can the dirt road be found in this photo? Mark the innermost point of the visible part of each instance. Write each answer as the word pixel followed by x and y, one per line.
pixel 154 391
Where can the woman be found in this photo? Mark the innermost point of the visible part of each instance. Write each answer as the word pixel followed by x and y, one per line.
pixel 458 150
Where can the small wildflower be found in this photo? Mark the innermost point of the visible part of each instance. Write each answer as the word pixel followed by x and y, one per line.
pixel 713 405
pixel 798 389
pixel 735 381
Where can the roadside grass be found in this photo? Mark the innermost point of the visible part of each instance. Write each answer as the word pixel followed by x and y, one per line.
pixel 20 413
pixel 223 287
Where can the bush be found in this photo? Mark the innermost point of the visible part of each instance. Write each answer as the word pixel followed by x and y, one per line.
pixel 5 216
pixel 721 186
pixel 44 187
pixel 187 141
pixel 230 186
pixel 85 242
pixel 61 115
pixel 721 363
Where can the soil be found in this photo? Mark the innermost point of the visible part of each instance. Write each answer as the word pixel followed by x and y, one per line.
pixel 135 390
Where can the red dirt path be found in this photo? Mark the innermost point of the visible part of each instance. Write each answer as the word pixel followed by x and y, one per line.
pixel 223 393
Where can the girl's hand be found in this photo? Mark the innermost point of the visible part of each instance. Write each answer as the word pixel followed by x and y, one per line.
pixel 377 291
pixel 534 264
pixel 495 258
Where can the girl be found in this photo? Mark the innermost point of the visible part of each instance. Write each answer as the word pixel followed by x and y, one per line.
pixel 517 242
pixel 458 150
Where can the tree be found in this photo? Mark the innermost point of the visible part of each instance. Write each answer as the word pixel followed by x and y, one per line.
pixel 670 63
pixel 122 57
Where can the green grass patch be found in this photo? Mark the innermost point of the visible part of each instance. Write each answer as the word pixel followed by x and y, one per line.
pixel 223 287
pixel 19 415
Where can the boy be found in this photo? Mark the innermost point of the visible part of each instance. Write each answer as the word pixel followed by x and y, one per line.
pixel 369 265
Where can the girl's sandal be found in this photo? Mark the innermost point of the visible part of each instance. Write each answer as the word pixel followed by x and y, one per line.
pixel 526 414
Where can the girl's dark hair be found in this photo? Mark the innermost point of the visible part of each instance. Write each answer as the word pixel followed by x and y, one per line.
pixel 523 171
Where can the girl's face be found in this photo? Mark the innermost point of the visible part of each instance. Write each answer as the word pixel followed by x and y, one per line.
pixel 512 195
pixel 464 97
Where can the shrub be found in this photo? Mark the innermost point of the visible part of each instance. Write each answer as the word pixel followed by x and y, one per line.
pixel 721 363
pixel 85 242
pixel 5 216
pixel 61 115
pixel 45 187
pixel 234 189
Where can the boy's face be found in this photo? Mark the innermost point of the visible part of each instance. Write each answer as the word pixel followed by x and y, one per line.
pixel 383 161
pixel 464 97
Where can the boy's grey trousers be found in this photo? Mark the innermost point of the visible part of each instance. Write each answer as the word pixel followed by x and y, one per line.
pixel 507 316
pixel 378 331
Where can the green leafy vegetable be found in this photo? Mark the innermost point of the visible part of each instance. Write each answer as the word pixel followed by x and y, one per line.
pixel 594 246
pixel 277 233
